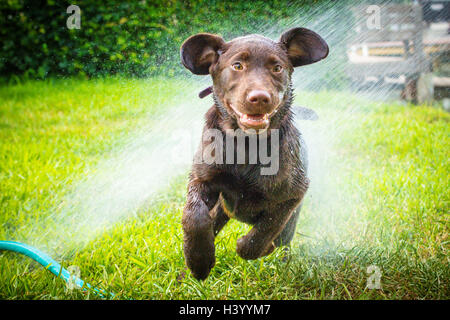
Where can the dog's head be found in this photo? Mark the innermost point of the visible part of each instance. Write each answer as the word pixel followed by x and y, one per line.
pixel 252 74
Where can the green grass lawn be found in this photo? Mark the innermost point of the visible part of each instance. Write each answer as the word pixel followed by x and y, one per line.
pixel 380 197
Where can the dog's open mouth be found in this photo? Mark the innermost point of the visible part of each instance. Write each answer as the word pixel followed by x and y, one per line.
pixel 252 121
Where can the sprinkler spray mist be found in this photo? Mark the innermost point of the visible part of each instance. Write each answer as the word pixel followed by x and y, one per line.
pixel 134 175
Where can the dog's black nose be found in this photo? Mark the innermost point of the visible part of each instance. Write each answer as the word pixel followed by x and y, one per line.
pixel 258 97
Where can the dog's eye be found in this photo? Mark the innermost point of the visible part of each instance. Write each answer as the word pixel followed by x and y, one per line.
pixel 237 66
pixel 277 68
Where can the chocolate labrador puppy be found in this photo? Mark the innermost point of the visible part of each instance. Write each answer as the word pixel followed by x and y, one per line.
pixel 252 93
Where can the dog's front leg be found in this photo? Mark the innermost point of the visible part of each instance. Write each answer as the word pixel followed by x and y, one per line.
pixel 198 243
pixel 258 242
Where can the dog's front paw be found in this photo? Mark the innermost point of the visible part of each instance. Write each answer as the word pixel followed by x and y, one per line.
pixel 200 257
pixel 248 250
pixel 201 264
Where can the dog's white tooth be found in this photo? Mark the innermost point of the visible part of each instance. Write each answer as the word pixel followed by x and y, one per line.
pixel 245 116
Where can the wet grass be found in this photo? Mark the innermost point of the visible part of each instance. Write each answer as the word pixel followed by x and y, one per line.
pixel 384 201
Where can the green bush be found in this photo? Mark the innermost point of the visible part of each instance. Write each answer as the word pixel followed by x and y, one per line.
pixel 131 38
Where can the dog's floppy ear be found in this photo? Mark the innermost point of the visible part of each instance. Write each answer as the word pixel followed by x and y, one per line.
pixel 303 46
pixel 200 51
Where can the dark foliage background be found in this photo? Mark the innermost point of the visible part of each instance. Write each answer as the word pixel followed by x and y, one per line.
pixel 136 38
pixel 142 38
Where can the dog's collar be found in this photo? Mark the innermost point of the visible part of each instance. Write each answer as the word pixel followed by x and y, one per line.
pixel 205 92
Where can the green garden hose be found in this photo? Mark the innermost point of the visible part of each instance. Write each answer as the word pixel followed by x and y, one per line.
pixel 50 264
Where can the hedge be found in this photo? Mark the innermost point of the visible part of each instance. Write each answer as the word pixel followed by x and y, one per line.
pixel 135 38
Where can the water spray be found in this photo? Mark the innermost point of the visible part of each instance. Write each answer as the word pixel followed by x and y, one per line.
pixel 100 199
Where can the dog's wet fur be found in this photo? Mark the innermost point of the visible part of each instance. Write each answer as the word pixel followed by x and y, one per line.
pixel 251 90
